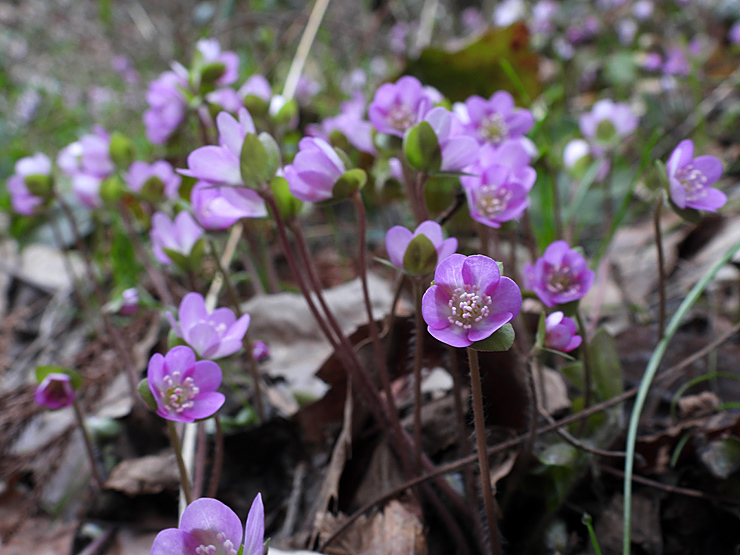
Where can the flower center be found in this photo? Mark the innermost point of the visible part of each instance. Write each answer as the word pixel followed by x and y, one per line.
pixel 694 181
pixel 219 328
pixel 492 201
pixel 468 306
pixel 178 394
pixel 400 117
pixel 224 547
pixel 561 280
pixel 493 128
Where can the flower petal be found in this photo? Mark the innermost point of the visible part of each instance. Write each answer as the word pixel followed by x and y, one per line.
pixel 212 515
pixel 254 534
pixel 481 271
pixel 397 240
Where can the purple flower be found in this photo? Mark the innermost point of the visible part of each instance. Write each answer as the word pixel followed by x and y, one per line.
pixel 179 236
pixel 608 123
pixel 676 62
pixel 208 527
pixel 496 192
pixel 226 98
pixel 130 304
pixel 652 61
pixel 458 149
pixel 185 390
pixel 90 155
pixel 398 238
pixel 55 391
pixel 212 335
pixel 140 173
pixel 398 106
pixel 257 86
pixel 560 333
pixel 167 104
pixel 260 351
pixel 210 51
pixel 22 200
pixel 220 164
pixel 469 300
pixel 690 179
pixel 496 119
pixel 559 276
pixel 350 123
pixel 733 35
pixel 221 207
pixel 314 171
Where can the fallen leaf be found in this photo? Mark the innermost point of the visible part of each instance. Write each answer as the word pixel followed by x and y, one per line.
pixel 145 475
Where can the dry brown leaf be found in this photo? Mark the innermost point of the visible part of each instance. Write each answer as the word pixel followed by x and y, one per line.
pixel 395 531
pixel 144 475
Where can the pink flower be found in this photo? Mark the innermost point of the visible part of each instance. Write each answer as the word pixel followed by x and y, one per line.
pixel 167 104
pixel 398 238
pixel 131 301
pixel 139 173
pixel 498 190
pixel 560 333
pixel 314 171
pixel 458 149
pixel 55 391
pixel 208 527
pixel 469 300
pixel 260 351
pixel 220 164
pixel 212 335
pixel 221 207
pixel 179 236
pixel 399 106
pixel 185 390
pixel 22 200
pixel 608 123
pixel 494 120
pixel 559 276
pixel 690 179
pixel 210 51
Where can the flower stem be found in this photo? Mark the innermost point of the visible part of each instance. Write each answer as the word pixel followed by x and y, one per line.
pixel 481 443
pixel 661 267
pixel 586 370
pixel 418 353
pixel 88 445
pixel 253 368
pixel 184 478
pixel 218 459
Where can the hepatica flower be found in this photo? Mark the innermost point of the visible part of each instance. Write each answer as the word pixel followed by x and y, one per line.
pixel 208 527
pixel 495 120
pixel 690 179
pixel 140 173
pixel 607 123
pixel 185 390
pixel 220 207
pixel 314 171
pixel 457 148
pixel 220 164
pixel 33 167
pixel 55 391
pixel 398 106
pixel 179 235
pixel 560 333
pixel 559 276
pixel 398 238
pixel 212 335
pixel 167 104
pixel 469 300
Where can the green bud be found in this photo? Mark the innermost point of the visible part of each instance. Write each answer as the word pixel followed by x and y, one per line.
pixel 287 204
pixel 421 148
pixel 420 258
pixel 286 114
pixel 210 73
pixel 605 131
pixel 255 105
pixel 122 150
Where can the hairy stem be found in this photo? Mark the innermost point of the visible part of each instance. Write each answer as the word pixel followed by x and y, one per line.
pixel 184 478
pixel 88 445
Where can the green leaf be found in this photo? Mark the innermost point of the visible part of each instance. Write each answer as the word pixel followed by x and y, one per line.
pixel 421 148
pixel 574 372
pixel 212 72
pixel 500 340
pixel 74 376
pixel 351 182
pixel 606 371
pixel 124 264
pixel 255 105
pixel 420 257
pixel 146 394
pixel 287 204
pixel 256 164
pixel 482 66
